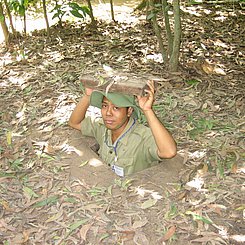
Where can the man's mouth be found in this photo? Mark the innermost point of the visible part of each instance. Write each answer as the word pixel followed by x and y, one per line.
pixel 109 122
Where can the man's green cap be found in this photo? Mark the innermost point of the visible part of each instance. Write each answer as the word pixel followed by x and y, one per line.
pixel 118 99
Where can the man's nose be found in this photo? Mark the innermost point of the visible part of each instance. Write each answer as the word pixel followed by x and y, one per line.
pixel 109 111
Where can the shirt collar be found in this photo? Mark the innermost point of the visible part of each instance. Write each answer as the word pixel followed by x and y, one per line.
pixel 123 140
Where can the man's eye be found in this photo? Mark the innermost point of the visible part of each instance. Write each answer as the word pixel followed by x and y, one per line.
pixel 104 106
pixel 116 108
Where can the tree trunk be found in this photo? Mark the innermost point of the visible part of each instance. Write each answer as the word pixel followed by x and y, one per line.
pixel 4 25
pixel 46 17
pixel 112 11
pixel 167 27
pixel 148 9
pixel 24 20
pixel 93 22
pixel 157 32
pixel 10 17
pixel 174 59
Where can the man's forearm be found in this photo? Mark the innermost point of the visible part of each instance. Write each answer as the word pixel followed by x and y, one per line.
pixel 164 140
pixel 79 112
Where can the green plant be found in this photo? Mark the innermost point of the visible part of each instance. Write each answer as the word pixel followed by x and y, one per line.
pixel 197 217
pixel 96 191
pixel 192 82
pixel 123 184
pixel 48 201
pixel 199 126
pixel 19 6
pixel 230 160
pixel 1 150
pixel 46 156
pixel 60 10
pixel 79 11
pixel 16 164
pixel 220 169
pixel 173 211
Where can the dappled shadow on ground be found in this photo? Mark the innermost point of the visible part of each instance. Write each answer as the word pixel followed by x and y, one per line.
pixel 53 188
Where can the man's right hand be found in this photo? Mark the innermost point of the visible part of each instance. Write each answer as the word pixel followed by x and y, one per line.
pixel 88 91
pixel 79 112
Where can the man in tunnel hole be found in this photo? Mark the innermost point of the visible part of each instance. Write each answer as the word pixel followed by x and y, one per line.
pixel 125 145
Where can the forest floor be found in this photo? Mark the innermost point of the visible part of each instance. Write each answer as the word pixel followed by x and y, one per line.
pixel 54 189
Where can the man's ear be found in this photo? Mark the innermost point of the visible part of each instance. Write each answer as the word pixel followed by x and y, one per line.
pixel 130 111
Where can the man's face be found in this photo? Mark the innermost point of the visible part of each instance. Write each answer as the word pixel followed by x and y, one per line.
pixel 114 117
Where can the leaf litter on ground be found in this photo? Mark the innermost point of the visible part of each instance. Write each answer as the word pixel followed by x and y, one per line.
pixel 204 110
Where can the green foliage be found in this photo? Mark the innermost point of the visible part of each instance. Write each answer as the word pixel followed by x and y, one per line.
pixel 78 11
pixel 16 164
pixel 29 192
pixel 151 15
pixel 48 201
pixel 192 82
pixel 18 6
pixel 60 10
pixel 173 211
pixel 96 191
pixel 1 18
pixel 123 184
pixel 197 217
pixel 220 169
pixel 193 2
pixel 199 126
pixel 155 9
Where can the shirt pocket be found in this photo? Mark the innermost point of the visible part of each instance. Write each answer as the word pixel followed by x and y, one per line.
pixel 128 165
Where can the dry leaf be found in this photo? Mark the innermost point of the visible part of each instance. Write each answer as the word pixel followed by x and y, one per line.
pixel 208 238
pixel 182 195
pixel 49 149
pixel 234 168
pixel 219 71
pixel 55 217
pixel 140 239
pixel 46 118
pixel 203 170
pixel 140 223
pixel 6 205
pixel 217 208
pixel 84 230
pixel 91 207
pixel 6 226
pixel 25 237
pixel 148 203
pixel 169 233
pixel 9 137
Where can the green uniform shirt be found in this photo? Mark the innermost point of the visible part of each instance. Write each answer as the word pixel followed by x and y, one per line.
pixel 133 151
